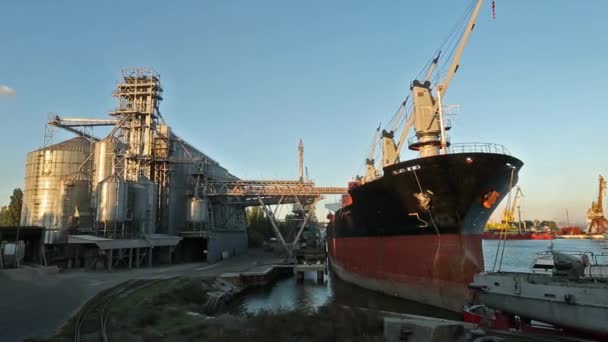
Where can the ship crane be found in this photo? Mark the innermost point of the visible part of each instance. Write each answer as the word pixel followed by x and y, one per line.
pixel 595 214
pixel 370 161
pixel 426 115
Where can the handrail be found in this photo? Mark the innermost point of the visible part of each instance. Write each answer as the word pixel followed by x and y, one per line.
pixel 478 148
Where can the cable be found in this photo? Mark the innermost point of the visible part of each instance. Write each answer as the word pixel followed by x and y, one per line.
pixel 503 235
pixel 438 234
pixel 450 35
pixel 509 201
pixel 462 26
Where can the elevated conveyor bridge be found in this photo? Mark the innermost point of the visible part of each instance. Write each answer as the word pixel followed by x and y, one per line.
pixel 249 192
pixel 271 192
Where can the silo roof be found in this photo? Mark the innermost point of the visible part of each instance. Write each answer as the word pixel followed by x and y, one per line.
pixel 77 144
pixel 79 176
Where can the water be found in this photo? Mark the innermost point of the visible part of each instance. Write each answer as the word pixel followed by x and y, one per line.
pixel 519 254
pixel 287 294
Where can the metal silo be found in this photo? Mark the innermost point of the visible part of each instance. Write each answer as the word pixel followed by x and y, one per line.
pixel 102 163
pixel 144 206
pixel 112 197
pixel 104 154
pixel 74 201
pixel 45 168
pixel 197 210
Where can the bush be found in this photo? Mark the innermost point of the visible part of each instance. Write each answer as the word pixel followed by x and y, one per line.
pixel 148 318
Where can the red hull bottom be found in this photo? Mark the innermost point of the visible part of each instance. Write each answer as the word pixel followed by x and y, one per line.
pixel 429 269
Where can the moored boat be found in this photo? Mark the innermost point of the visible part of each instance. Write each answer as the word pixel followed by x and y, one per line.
pixel 566 291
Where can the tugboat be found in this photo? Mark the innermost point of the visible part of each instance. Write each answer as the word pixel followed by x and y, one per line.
pixel 414 229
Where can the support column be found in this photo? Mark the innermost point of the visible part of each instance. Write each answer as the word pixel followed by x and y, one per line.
pixel 310 213
pixel 137 257
pixel 130 258
pixel 77 256
pixel 109 258
pixel 43 254
pixel 277 232
pixel 17 248
pixel 150 256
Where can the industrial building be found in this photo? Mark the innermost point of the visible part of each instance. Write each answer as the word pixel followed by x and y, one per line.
pixel 141 194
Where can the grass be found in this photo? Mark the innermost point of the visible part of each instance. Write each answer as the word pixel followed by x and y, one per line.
pixel 174 311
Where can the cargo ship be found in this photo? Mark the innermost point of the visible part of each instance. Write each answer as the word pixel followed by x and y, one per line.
pixel 413 229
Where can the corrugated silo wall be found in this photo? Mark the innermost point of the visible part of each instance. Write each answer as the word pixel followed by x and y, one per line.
pixel 231 242
pixel 180 188
pixel 229 234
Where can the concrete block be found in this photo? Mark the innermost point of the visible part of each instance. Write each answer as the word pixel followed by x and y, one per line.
pixel 422 330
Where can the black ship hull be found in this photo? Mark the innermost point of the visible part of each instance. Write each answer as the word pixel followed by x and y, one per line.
pixel 416 231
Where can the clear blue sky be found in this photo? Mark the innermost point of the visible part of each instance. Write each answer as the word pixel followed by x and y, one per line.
pixel 244 80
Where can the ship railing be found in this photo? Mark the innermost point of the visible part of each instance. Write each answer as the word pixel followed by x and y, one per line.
pixel 478 148
pixel 596 258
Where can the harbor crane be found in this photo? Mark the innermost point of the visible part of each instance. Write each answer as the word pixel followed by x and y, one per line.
pixel 508 215
pixel 595 214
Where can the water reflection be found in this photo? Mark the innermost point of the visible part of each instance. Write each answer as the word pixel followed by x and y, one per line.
pixel 287 294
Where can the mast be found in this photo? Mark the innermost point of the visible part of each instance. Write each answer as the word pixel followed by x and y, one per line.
pixel 444 145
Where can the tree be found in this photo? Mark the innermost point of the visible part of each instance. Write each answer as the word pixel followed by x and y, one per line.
pixel 550 224
pixel 258 226
pixel 11 215
pixel 3 217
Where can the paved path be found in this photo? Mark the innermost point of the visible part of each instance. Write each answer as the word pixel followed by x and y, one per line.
pixel 35 303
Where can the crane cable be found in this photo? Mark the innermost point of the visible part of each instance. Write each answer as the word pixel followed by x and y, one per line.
pixel 450 36
pixel 453 44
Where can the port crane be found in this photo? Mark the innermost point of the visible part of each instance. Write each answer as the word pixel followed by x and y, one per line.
pixel 508 214
pixel 595 214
